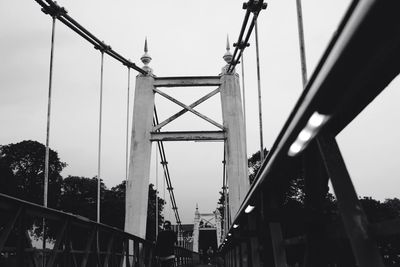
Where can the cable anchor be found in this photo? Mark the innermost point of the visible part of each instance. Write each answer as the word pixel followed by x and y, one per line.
pixel 102 47
pixel 54 10
pixel 255 6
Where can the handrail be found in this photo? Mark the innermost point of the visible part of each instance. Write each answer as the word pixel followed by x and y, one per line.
pixel 362 58
pixel 73 235
pixel 365 47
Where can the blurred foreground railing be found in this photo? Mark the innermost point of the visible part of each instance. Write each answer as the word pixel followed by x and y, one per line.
pixel 71 240
pixel 271 229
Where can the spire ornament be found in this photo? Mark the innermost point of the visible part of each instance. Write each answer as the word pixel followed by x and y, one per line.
pixel 228 55
pixel 146 58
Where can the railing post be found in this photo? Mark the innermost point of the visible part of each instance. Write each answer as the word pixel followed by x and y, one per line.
pixel 149 255
pixel 109 250
pixel 275 230
pixel 231 259
pixel 316 189
pixel 254 242
pixel 58 243
pixel 238 254
pixel 8 228
pixel 88 247
pixel 140 258
pixel 228 259
pixel 244 252
pixel 277 244
pixel 20 239
pixel 127 256
pixel 364 246
pixel 122 257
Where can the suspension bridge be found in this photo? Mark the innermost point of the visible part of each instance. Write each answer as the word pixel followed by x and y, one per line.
pixel 256 227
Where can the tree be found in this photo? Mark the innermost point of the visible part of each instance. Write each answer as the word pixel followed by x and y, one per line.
pixel 151 214
pixel 22 170
pixel 22 176
pixel 221 202
pixel 220 208
pixel 79 196
pixel 254 164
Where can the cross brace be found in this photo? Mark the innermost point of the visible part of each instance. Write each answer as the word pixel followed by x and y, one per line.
pixel 183 111
pixel 188 108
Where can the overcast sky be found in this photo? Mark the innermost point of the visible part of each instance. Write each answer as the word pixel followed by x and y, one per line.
pixel 185 38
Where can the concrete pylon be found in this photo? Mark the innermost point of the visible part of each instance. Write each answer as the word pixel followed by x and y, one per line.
pixel 232 115
pixel 137 186
pixel 196 230
pixel 218 226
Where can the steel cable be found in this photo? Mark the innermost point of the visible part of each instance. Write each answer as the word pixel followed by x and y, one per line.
pixel 51 8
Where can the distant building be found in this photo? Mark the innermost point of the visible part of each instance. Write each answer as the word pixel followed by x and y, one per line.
pixel 203 233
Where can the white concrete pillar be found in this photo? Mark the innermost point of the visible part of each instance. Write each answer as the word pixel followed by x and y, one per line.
pixel 137 187
pixel 196 231
pixel 236 158
pixel 140 155
pixel 217 215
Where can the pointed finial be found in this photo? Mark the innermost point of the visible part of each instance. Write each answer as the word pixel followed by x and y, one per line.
pixel 145 46
pixel 228 55
pixel 197 206
pixel 146 58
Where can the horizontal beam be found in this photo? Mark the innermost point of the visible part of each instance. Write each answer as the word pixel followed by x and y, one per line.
pixel 187 81
pixel 207 214
pixel 188 136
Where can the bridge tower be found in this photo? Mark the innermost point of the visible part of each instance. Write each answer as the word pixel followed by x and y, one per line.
pixel 206 221
pixel 137 185
pixel 231 132
pixel 196 226
pixel 235 143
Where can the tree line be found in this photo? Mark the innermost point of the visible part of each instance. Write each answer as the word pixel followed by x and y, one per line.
pixel 22 176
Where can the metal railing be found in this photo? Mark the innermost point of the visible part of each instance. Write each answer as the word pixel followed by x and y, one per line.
pixel 72 240
pixel 362 58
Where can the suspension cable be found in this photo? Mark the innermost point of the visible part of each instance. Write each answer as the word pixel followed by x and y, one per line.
pixel 167 175
pixel 244 96
pixel 47 153
pixel 259 96
pixel 99 146
pixel 47 156
pixel 225 193
pixel 127 127
pixel 301 43
pixel 52 8
pixel 252 6
pixel 156 194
